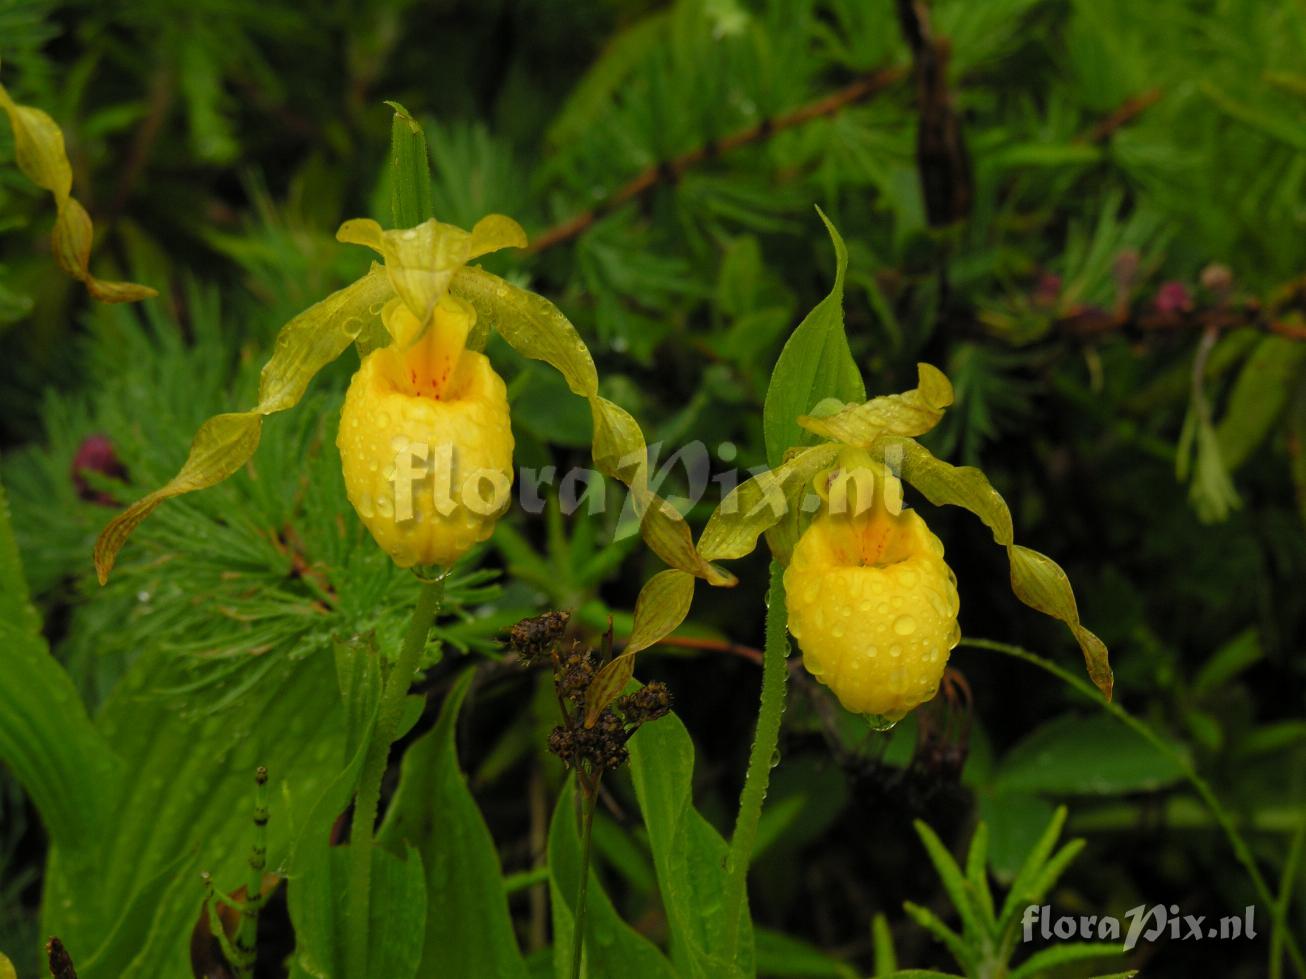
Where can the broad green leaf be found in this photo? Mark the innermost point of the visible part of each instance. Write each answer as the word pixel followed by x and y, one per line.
pixel 662 605
pixel 688 853
pixel 469 931
pixel 1045 960
pixel 1014 821
pixel 1258 397
pixel 421 261
pixel 761 502
pixel 186 797
pixel 612 947
pixel 530 324
pixel 226 442
pixel 816 363
pixel 1092 755
pixel 911 413
pixel 39 151
pixel 66 767
pixel 780 955
pixel 319 904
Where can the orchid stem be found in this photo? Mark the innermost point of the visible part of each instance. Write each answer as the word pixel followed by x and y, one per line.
pixel 368 799
pixel 775 674
pixel 589 804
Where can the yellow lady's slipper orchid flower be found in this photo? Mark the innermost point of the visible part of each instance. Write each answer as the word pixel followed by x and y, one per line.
pixel 425 440
pixel 872 604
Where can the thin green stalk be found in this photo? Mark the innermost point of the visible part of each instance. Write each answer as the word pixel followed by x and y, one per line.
pixel 591 798
pixel 1222 816
pixel 1286 886
pixel 775 674
pixel 368 798
pixel 247 934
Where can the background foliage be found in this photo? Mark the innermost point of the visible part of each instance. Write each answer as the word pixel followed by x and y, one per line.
pixel 1119 305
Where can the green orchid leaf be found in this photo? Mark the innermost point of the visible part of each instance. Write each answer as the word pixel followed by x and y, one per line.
pixel 816 363
pixel 47 740
pixel 319 904
pixel 662 605
pixel 433 811
pixel 612 947
pixel 226 442
pixel 39 151
pixel 911 413
pixel 689 855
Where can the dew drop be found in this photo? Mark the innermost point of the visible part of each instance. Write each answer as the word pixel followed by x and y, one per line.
pixel 904 625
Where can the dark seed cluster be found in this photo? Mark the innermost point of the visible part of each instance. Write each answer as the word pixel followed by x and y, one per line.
pixel 600 747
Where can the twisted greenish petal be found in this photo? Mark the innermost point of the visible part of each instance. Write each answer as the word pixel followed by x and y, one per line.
pixel 226 442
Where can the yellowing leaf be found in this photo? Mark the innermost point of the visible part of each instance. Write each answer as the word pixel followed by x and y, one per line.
pixel 662 605
pixel 422 261
pixel 225 442
pixel 39 151
pixel 911 413
pixel 758 504
pixel 1040 583
pixel 7 968
pixel 530 324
